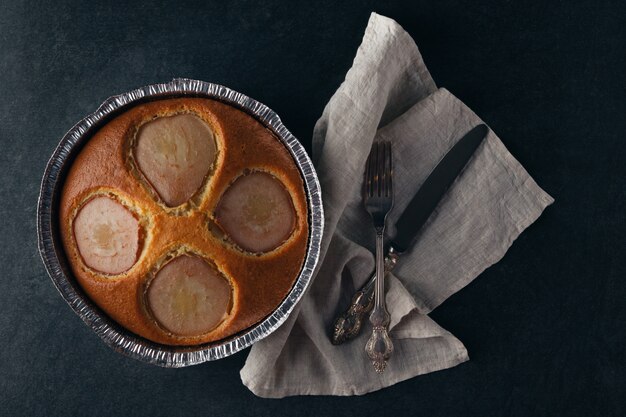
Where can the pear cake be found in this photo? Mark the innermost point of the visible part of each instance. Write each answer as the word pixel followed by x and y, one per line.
pixel 184 220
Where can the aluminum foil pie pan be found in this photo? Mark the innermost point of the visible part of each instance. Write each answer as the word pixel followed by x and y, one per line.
pixel 56 263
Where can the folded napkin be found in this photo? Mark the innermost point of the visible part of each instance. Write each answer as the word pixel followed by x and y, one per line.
pixel 389 94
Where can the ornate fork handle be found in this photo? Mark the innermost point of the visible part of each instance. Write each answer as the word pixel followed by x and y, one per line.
pixel 379 346
pixel 348 325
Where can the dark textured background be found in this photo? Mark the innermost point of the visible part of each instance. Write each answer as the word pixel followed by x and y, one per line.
pixel 545 327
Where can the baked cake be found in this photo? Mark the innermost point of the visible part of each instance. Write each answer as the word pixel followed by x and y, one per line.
pixel 185 220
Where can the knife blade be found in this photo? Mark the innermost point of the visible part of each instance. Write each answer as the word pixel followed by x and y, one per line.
pixel 419 209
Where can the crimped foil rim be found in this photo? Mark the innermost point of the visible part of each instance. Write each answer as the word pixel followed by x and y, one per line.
pixel 111 333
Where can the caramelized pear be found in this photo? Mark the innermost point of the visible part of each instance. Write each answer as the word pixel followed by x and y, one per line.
pixel 107 235
pixel 175 153
pixel 189 297
pixel 256 212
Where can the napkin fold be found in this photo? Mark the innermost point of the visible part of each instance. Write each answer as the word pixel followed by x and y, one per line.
pixel 389 94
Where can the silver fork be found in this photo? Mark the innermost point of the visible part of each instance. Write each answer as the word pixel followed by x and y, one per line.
pixel 378 200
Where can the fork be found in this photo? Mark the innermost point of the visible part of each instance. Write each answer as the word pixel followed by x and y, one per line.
pixel 378 200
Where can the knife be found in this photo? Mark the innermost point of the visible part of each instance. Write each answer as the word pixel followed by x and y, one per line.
pixel 348 324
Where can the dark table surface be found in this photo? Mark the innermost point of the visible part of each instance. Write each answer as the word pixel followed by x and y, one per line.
pixel 545 328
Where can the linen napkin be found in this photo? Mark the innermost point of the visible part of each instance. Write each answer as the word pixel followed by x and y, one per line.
pixel 389 94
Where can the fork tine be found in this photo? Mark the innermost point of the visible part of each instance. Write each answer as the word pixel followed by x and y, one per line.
pixel 381 170
pixel 375 173
pixel 384 170
pixel 389 173
pixel 366 177
pixel 372 176
pixel 369 171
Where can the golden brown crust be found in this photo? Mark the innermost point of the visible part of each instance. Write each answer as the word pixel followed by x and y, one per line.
pixel 105 166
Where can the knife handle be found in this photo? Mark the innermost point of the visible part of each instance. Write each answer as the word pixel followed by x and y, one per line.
pixel 348 325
